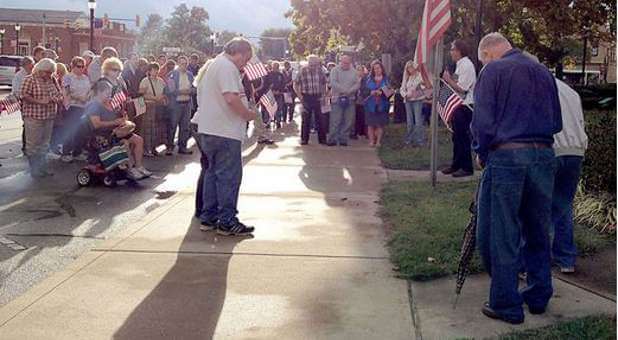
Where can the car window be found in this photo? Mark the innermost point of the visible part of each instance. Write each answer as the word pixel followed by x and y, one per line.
pixel 7 61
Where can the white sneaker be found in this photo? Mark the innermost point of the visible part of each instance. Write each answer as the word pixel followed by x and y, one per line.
pixel 144 171
pixel 135 174
pixel 53 156
pixel 67 158
pixel 81 158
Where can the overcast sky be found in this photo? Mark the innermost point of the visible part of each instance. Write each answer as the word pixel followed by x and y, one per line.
pixel 249 17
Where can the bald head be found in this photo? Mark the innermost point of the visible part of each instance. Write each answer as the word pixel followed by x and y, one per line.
pixel 492 47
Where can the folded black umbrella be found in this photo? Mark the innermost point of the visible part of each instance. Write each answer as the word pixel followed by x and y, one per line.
pixel 468 246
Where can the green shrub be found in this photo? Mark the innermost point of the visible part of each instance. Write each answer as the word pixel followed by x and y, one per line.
pixel 599 169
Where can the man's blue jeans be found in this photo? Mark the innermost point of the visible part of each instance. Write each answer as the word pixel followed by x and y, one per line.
pixel 414 121
pixel 179 118
pixel 568 171
pixel 341 122
pixel 222 178
pixel 514 203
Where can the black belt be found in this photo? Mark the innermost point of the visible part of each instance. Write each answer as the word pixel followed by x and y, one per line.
pixel 513 146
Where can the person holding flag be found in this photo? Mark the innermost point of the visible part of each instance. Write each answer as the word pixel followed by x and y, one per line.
pixel 462 82
pixel 221 119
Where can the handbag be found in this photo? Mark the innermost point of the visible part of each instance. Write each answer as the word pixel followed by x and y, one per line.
pixel 164 102
pixel 114 157
pixel 125 130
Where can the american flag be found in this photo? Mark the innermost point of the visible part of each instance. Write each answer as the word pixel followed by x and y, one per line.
pixel 436 19
pixel 269 102
pixel 448 102
pixel 255 69
pixel 10 104
pixel 118 100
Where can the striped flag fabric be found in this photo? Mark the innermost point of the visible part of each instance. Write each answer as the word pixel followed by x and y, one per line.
pixel 118 100
pixel 269 102
pixel 436 19
pixel 448 102
pixel 10 104
pixel 255 69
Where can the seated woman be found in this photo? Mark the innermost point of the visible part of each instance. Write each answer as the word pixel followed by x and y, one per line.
pixel 104 121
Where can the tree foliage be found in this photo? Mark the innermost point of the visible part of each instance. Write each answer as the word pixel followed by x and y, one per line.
pixel 548 29
pixel 186 28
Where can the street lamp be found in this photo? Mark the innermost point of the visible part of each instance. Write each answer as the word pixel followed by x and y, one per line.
pixel 17 29
pixel 2 31
pixel 92 4
pixel 213 40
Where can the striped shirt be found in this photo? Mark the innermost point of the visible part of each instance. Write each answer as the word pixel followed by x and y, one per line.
pixel 311 81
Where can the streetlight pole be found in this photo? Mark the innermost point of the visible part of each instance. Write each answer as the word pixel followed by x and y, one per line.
pixel 92 5
pixel 17 29
pixel 2 31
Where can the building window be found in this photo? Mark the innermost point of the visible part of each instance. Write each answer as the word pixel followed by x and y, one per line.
pixel 24 48
pixel 595 51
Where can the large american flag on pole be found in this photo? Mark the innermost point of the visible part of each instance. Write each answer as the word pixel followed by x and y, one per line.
pixel 10 104
pixel 269 102
pixel 255 69
pixel 436 19
pixel 448 102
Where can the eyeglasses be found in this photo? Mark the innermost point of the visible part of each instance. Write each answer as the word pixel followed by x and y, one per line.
pixel 79 66
pixel 114 69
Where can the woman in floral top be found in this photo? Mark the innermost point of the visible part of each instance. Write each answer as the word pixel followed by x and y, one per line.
pixel 41 95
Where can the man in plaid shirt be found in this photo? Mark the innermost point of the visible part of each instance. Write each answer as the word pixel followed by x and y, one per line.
pixel 310 87
pixel 41 96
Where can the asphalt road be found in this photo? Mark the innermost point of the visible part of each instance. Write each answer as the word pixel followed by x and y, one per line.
pixel 45 224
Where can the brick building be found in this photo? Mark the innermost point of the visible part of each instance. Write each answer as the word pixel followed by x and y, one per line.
pixel 67 32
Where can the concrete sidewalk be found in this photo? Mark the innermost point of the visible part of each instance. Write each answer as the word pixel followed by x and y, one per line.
pixel 317 267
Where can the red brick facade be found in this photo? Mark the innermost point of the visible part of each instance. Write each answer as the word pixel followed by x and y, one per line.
pixel 71 41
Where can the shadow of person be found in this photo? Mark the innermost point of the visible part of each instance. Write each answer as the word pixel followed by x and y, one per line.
pixel 188 300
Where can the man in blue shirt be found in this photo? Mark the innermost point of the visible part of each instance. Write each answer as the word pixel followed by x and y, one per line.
pixel 516 114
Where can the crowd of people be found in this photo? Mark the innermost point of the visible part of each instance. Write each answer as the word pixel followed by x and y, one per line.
pixel 525 126
pixel 63 105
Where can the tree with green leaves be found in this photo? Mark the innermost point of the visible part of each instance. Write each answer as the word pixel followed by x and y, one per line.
pixel 186 28
pixel 150 38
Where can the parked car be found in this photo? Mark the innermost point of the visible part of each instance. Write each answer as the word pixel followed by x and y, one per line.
pixel 9 65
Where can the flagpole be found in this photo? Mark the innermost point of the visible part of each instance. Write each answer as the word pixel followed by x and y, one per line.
pixel 437 67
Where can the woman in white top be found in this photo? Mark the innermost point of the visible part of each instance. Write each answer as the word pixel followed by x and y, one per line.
pixel 414 89
pixel 154 124
pixel 76 86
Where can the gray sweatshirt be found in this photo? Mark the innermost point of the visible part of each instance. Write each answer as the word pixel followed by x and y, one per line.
pixel 344 83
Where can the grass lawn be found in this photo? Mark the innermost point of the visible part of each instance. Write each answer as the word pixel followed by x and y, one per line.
pixel 396 155
pixel 427 227
pixel 600 327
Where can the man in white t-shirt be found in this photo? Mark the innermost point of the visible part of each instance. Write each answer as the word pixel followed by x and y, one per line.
pixel 221 119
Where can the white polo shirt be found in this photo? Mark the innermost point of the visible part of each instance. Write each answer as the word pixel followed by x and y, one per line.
pixel 466 78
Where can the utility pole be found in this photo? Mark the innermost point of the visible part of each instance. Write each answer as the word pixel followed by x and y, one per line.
pixel 44 30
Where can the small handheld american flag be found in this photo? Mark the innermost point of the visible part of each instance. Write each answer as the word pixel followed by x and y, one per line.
pixel 10 104
pixel 448 102
pixel 118 100
pixel 255 69
pixel 269 102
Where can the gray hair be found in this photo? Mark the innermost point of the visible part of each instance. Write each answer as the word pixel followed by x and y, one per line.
pixel 313 59
pixel 238 45
pixel 101 86
pixel 492 40
pixel 26 61
pixel 45 65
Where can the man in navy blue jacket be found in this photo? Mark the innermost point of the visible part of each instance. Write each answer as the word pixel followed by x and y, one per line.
pixel 516 114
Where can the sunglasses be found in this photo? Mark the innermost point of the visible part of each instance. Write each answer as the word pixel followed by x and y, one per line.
pixel 114 69
pixel 79 66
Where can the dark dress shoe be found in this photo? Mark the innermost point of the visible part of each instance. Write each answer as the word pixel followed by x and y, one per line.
pixel 331 144
pixel 536 310
pixel 462 173
pixel 490 313
pixel 343 144
pixel 304 143
pixel 185 152
pixel 449 171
